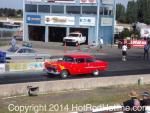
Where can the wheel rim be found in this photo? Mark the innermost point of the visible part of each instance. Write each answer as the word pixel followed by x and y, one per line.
pixel 64 75
pixel 96 73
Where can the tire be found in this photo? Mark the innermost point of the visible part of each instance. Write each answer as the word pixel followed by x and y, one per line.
pixel 64 74
pixel 96 73
pixel 76 43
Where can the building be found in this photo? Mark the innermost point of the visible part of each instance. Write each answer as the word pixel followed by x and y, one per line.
pixel 51 20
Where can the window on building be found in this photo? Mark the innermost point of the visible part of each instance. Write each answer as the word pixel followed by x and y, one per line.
pixel 57 9
pixel 108 10
pixel 30 8
pixel 73 9
pixel 89 9
pixel 101 11
pixel 44 8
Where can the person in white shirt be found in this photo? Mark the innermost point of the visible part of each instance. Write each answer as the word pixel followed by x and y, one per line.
pixel 124 52
pixel 101 42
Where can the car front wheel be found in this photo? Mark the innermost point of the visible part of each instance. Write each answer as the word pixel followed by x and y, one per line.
pixel 64 74
pixel 96 73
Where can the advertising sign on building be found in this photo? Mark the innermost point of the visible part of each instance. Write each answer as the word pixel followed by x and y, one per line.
pixel 87 21
pixel 88 1
pixel 60 20
pixel 61 1
pixel 106 21
pixel 107 1
pixel 145 32
pixel 33 19
pixel 2 68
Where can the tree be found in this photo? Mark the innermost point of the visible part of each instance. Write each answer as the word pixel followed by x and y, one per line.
pixel 131 13
pixel 120 13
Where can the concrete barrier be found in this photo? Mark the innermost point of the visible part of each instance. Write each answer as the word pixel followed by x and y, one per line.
pixel 71 84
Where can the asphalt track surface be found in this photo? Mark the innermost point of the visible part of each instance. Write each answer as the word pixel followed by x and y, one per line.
pixel 133 66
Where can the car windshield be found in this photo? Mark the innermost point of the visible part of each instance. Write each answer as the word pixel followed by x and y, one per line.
pixel 68 59
pixel 74 35
pixel 12 49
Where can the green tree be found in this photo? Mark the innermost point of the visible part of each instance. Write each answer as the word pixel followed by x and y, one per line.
pixel 131 13
pixel 120 13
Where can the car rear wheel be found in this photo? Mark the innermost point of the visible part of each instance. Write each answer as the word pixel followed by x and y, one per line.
pixel 64 74
pixel 96 73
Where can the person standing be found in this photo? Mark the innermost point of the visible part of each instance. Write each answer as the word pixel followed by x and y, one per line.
pixel 146 52
pixel 124 52
pixel 101 42
pixel 13 43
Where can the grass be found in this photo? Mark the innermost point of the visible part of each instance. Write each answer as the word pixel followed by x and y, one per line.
pixel 99 96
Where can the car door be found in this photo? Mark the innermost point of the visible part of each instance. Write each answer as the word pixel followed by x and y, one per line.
pixel 80 66
pixel 90 65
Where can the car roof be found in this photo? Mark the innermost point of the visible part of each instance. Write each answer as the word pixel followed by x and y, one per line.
pixel 79 55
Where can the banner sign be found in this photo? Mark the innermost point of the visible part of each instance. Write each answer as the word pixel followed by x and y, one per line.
pixel 138 43
pixel 2 68
pixel 33 19
pixel 88 1
pixel 61 1
pixel 60 20
pixel 87 21
pixel 106 21
pixel 35 66
pixel 107 1
pixel 26 66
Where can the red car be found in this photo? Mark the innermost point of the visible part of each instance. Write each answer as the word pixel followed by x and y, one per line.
pixel 75 64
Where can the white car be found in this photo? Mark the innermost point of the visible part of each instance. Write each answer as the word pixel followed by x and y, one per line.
pixel 75 38
pixel 25 53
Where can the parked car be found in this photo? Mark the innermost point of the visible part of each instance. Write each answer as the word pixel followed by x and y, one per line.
pixel 25 53
pixel 75 64
pixel 75 38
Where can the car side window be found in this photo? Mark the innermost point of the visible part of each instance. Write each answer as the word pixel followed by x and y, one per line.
pixel 21 51
pixel 80 60
pixel 88 60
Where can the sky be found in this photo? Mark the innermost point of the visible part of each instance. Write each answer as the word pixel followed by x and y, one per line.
pixel 18 4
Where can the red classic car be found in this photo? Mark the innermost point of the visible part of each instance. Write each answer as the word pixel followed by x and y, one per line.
pixel 75 64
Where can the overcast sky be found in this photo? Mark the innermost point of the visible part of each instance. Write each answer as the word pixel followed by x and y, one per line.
pixel 19 3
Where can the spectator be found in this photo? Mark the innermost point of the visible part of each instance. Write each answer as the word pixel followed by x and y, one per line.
pixel 101 42
pixel 132 105
pixel 13 42
pixel 146 102
pixel 146 52
pixel 124 52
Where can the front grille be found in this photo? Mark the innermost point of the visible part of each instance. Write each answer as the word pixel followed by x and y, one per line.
pixel 68 40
